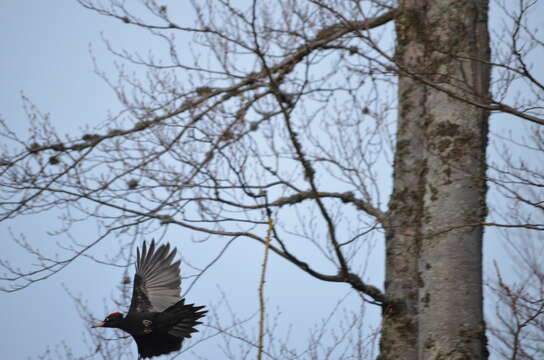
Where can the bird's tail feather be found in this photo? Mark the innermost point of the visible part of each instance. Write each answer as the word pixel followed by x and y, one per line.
pixel 185 317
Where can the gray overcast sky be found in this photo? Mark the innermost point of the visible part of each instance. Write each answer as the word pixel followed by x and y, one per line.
pixel 45 54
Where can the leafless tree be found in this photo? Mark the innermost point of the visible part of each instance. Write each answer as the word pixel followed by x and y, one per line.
pixel 299 111
pixel 519 325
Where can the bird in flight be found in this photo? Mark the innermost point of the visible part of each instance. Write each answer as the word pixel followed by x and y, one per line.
pixel 158 318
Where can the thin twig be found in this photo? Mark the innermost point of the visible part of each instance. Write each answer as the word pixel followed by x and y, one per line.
pixel 261 290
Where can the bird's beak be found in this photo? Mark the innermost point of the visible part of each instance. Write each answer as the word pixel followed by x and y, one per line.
pixel 100 324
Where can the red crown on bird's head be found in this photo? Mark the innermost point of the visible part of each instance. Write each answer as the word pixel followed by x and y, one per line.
pixel 115 314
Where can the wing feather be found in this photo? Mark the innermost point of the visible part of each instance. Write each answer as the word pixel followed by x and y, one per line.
pixel 155 345
pixel 157 281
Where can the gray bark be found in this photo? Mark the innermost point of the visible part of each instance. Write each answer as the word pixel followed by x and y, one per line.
pixel 451 324
pixel 399 327
pixel 438 202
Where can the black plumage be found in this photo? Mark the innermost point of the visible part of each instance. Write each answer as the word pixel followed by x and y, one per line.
pixel 158 318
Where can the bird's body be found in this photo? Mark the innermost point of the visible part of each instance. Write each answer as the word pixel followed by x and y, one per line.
pixel 158 318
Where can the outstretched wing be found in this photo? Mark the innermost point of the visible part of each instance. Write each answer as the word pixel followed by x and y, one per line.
pixel 157 281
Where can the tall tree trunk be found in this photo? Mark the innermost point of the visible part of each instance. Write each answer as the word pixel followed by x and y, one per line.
pixel 434 243
pixel 451 324
pixel 399 327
